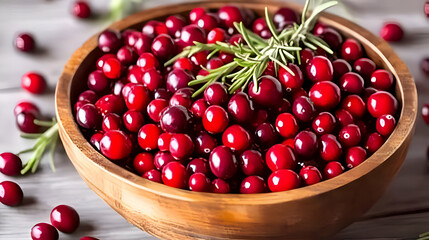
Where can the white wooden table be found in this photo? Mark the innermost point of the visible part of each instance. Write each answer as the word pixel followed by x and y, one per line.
pixel 403 212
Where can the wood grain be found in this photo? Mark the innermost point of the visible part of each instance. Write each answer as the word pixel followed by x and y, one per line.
pixel 169 213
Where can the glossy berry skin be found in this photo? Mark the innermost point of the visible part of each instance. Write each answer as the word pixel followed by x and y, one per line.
pixel 198 165
pixel 236 138
pixel 351 83
pixel 280 156
pixel 324 123
pixel 382 80
pixel 10 194
pixel 152 79
pixel 240 108
pixel 282 180
pixel 320 69
pixel 306 143
pixel 160 159
pixel 87 96
pixel 29 107
pixel 112 68
pixel 364 67
pixel 268 93
pixel 25 42
pixel 325 95
pixel 425 113
pixel 199 107
pixel 138 98
pixel 97 81
pixel 214 63
pixel 109 41
pixel 350 135
pixel 81 9
pixel 385 125
pixel 216 94
pixel 265 135
pixel 354 105
pixel 220 186
pixel 44 231
pixel 148 137
pixel 351 50
pixel 215 119
pixel 355 156
pixel 216 35
pixel 382 103
pixel 163 47
pixel 332 38
pixel 286 125
pixel 174 175
pixel 177 79
pixel 133 120
pixel 111 121
pixel 284 16
pixel 181 146
pixel 10 164
pixel 310 175
pixel 174 24
pixel 196 14
pixel 25 123
pixel 289 82
pixel 392 32
pixel 330 148
pixel 223 162
pixel 198 182
pixel 253 184
pixel 175 119
pixel 115 145
pixel 252 163
pixel 303 109
pixel 147 61
pixel 143 162
pixel 153 175
pixel 164 141
pixel 100 62
pixel 126 56
pixel 88 117
pixel 204 143
pixel 344 117
pixel 208 22
pixel 155 108
pixel 373 142
pixel 184 63
pixel 95 140
pixel 229 14
pixel 341 67
pixel 65 218
pixel 333 169
pixel 190 34
pixel 33 82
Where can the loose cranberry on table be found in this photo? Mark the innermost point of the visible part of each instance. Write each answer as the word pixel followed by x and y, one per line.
pixel 88 238
pixel 10 164
pixel 33 82
pixel 65 218
pixel 25 42
pixel 424 65
pixel 26 106
pixel 81 9
pixel 425 113
pixel 310 175
pixel 11 194
pixel 44 231
pixel 283 179
pixel 392 32
pixel 25 123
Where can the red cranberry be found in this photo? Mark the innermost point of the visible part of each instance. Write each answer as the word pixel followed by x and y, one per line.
pixel 385 124
pixel 286 125
pixel 148 137
pixel 265 135
pixel 344 117
pixel 306 55
pixel 320 69
pixel 81 9
pixel 259 117
pixel 110 103
pixel 282 180
pixel 253 184
pixel 175 119
pixel 355 156
pixel 424 64
pixel 181 146
pixel 29 107
pixel 325 95
pixel 240 108
pixel 215 119
pixel 162 47
pixel 147 61
pixel 283 106
pixel 143 162
pixel 109 41
pixel 102 60
pixel 267 93
pixel 223 162
pixel 65 218
pixel 351 50
pixel 33 82
pixel 216 94
pixel 319 28
pixel 155 108
pixel 298 93
pixel 161 159
pixel 258 25
pixel 25 123
pixel 229 14
pixel 324 123
pixel 196 14
pixel 112 68
pixel 351 83
pixel 44 231
pixel 280 156
pixel 115 145
pixel 284 16
pixel 341 67
pixel 236 138
pixel 332 38
pixel 133 120
pixel 288 81
pixel 95 140
pixel 365 67
pixel 135 74
pixel 198 165
pixel 220 186
pixel 153 175
pixel 25 42
pixel 184 63
pixel 11 194
pixel 236 39
pixel 310 175
pixel 214 63
pixel 199 58
pixel 303 109
pixel 330 148
pixel 126 55
pixel 161 93
pixel 111 121
pixel 199 107
pixel 350 135
pixel 10 164
pixel 426 9
pixel 88 96
pixel 152 79
pixel 164 141
pixel 137 98
pixel 198 182
pixel 204 143
pixel 252 163
pixel 88 238
pixel 177 79
pixel 382 80
pixel 425 113
pixel 182 97
pixel 97 81
pixel 306 143
pixel 381 103
pixel 333 169
pixel 190 34
pixel 174 175
pixel 154 28
pixel 174 24
pixel 208 22
pixel 354 105
pixel 392 32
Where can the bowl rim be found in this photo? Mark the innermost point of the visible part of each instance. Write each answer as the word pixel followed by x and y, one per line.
pixel 403 130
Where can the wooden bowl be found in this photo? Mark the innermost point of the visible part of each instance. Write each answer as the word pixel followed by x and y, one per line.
pixel 314 211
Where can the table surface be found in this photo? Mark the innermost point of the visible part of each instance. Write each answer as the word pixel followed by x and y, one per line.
pixel 403 212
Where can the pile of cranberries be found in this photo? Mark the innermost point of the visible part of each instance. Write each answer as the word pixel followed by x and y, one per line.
pixel 290 131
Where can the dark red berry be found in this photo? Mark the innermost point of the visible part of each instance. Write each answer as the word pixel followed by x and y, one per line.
pixel 177 79
pixel 216 94
pixel 133 120
pixel 33 82
pixel 344 117
pixel 351 50
pixel 310 175
pixel 341 67
pixel 88 96
pixel 190 34
pixel 355 156
pixel 240 108
pixel 25 42
pixel 126 55
pixel 208 22
pixel 143 162
pixel 282 180
pixel 350 135
pixel 115 145
pixel 306 143
pixel 196 14
pixel 199 107
pixel 290 82
pixel 29 107
pixel 154 28
pixel 351 83
pixel 137 98
pixel 392 32
pixel 198 165
pixel 109 41
pixel 333 169
pixel 204 143
pixel 44 231
pixel 65 218
pixel 382 103
pixel 303 109
pixel 174 175
pixel 325 95
pixel 330 148
pixel 220 186
pixel 111 121
pixel 265 135
pixel 320 69
pixel 425 113
pixel 229 14
pixel 280 156
pixel 153 175
pixel 174 24
pixel 324 123
pixel 175 119
pixel 147 61
pixel 223 162
pixel 253 184
pixel 163 47
pixel 385 125
pixel 10 164
pixel 181 146
pixel 25 123
pixel 284 16
pixel 354 105
pixel 110 104
pixel 365 67
pixel 81 9
pixel 11 194
pixel 198 182
pixel 267 93
pixel 252 163
pixel 236 138
pixel 382 80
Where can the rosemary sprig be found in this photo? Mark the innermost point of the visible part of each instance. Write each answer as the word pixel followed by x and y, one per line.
pixel 251 58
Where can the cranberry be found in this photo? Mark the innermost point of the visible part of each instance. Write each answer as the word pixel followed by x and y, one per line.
pixel 88 96
pixel 344 117
pixel 381 80
pixel 351 83
pixel 214 63
pixel 81 9
pixel 340 67
pixel 199 107
pixel 236 138
pixel 385 124
pixel 208 22
pixel 154 28
pixel 95 140
pixel 198 182
pixel 152 79
pixel 44 231
pixel 425 113
pixel 161 93
pixel 11 194
pixel 350 135
pixel 223 162
pixel 115 145
pixel 355 156
pixel 174 175
pixel 109 41
pixel 155 108
pixel 133 120
pixel 351 50
pixel 33 82
pixel 175 119
pixel 164 141
pixel 204 143
pixel 325 95
pixel 288 81
pixel 259 25
pixel 102 60
pixel 324 123
pixel 286 125
pixel 137 98
pixel 252 163
pixel 310 175
pixel 381 103
pixel 162 47
pixel 184 63
pixel 198 165
pixel 392 32
pixel 354 105
pixel 280 156
pixel 220 186
pixel 196 14
pixel 148 137
pixel 97 81
pixel 306 55
pixel 298 93
pixel 267 93
pixel 177 79
pixel 161 159
pixel 112 68
pixel 282 180
pixel 216 94
pixel 126 55
pixel 29 107
pixel 111 121
pixel 330 148
pixel 265 135
pixel 320 69
pixel 65 218
pixel 365 67
pixel 253 184
pixel 283 106
pixel 174 24
pixel 229 14
pixel 147 61
pixel 153 175
pixel 110 103
pixel 306 143
pixel 284 16
pixel 303 109
pixel 200 58
pixel 25 123
pixel 190 34
pixel 25 42
pixel 88 238
pixel 143 162
pixel 332 38
pixel 333 169
pixel 424 64
pixel 319 28
pixel 181 146
pixel 240 108
pixel 10 164
pixel 259 117
pixel 215 119
pixel 236 39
